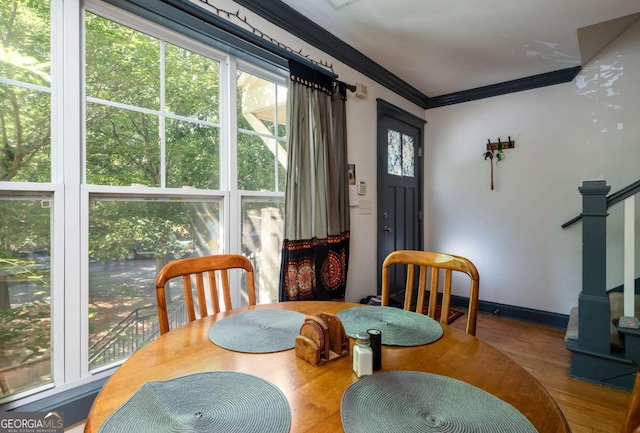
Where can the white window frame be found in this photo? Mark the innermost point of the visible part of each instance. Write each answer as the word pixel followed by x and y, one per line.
pixel 71 195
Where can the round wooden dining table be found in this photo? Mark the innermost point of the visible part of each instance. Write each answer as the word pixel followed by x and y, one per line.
pixel 315 392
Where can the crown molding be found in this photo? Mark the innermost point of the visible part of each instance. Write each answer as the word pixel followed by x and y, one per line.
pixel 298 25
pixel 527 83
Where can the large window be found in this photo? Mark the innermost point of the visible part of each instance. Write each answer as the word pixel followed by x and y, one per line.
pixel 180 151
pixel 25 216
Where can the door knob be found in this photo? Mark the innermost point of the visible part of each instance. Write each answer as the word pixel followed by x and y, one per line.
pixel 386 229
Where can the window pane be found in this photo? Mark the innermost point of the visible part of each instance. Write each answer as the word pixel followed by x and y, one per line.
pixel 123 147
pixel 25 293
pixel 256 162
pixel 282 111
pixel 193 155
pixel 25 112
pixel 25 51
pixel 282 165
pixel 122 65
pixel 129 242
pixel 25 116
pixel 192 84
pixel 262 235
pixel 256 104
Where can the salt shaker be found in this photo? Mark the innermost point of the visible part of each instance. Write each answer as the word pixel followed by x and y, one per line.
pixel 375 337
pixel 362 356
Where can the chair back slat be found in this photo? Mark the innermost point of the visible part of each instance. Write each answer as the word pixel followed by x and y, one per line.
pixel 188 298
pixel 422 285
pixel 433 292
pixel 433 262
pixel 200 291
pixel 226 293
pixel 196 268
pixel 213 292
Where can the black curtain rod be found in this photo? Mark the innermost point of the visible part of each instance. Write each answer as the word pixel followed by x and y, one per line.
pixel 351 87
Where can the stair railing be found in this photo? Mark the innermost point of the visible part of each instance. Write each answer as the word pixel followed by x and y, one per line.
pixel 131 333
pixel 626 195
pixel 594 357
pixel 594 295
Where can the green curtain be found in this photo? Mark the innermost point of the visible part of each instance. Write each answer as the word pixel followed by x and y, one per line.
pixel 315 252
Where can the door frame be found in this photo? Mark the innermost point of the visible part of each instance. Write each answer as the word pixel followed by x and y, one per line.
pixel 388 110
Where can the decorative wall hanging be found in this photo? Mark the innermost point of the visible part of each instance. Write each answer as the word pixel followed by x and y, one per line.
pixel 498 148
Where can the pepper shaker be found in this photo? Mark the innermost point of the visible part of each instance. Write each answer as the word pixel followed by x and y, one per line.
pixel 375 338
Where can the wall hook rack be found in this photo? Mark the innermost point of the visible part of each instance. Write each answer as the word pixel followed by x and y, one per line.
pixel 498 148
pixel 497 145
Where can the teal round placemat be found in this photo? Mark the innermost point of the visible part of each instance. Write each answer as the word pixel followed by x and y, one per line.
pixel 258 331
pixel 217 401
pixel 398 327
pixel 413 401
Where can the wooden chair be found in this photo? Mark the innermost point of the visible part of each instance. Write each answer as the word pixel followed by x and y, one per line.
pixel 435 261
pixel 632 421
pixel 198 267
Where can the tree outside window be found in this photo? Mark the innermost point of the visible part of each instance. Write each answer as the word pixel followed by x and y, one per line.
pixel 157 180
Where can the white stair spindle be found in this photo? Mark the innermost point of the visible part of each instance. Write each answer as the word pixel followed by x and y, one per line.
pixel 629 256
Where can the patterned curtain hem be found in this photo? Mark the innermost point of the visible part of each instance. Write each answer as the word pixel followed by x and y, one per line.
pixel 299 274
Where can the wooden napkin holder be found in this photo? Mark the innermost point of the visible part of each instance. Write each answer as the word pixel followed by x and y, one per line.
pixel 322 339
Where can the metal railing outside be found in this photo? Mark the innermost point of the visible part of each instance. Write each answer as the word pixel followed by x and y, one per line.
pixel 132 333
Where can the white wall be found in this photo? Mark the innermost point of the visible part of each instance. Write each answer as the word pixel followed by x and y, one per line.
pixel 361 137
pixel 565 134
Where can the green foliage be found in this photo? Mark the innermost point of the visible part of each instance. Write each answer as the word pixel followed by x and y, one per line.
pixel 193 155
pixel 134 112
pixel 24 226
pixel 118 228
pixel 25 331
pixel 25 132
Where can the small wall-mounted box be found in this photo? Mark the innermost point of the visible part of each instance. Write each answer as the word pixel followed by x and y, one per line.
pixel 361 91
pixel 362 187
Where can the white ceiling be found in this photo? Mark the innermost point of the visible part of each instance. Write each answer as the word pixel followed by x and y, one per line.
pixel 446 46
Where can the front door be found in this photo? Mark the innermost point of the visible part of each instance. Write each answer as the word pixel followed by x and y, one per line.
pixel 400 183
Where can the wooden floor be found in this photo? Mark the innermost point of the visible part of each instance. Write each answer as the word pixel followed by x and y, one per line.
pixel 588 407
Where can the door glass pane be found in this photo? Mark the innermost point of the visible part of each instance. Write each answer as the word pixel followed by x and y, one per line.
pixel 408 159
pixel 394 153
pixel 262 235
pixel 400 154
pixel 129 242
pixel 25 293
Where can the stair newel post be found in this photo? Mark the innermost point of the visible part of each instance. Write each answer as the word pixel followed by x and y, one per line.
pixel 595 311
